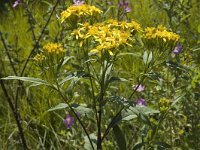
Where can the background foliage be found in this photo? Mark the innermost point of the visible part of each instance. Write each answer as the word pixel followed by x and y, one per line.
pixel 177 79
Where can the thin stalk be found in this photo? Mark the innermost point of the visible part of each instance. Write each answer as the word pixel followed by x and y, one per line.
pixel 79 120
pixel 91 83
pixel 8 54
pixel 14 107
pixel 16 115
pixel 30 20
pixel 94 99
pixel 38 40
pixel 101 98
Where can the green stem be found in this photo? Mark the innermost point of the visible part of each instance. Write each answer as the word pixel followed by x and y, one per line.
pixel 79 120
pixel 91 83
pixel 123 107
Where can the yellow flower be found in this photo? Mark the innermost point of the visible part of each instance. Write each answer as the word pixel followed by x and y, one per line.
pixel 79 11
pixel 160 33
pixel 133 25
pixel 108 35
pixel 39 58
pixel 53 48
pixel 164 104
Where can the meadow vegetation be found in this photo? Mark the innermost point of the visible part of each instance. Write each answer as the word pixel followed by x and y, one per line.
pixel 100 74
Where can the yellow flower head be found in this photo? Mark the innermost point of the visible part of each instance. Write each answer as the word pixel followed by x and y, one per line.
pixel 160 33
pixel 107 35
pixel 39 58
pixel 164 104
pixel 132 26
pixel 79 11
pixel 53 48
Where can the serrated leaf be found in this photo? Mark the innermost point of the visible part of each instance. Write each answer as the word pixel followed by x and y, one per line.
pixel 121 100
pixel 121 142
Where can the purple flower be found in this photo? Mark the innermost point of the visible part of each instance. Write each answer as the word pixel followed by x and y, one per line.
pixel 140 102
pixel 69 121
pixel 16 3
pixel 138 88
pixel 177 49
pixel 124 6
pixel 78 2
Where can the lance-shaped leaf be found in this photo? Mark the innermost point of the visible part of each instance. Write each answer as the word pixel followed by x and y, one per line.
pixel 58 107
pixel 121 142
pixel 147 57
pixel 81 109
pixel 37 81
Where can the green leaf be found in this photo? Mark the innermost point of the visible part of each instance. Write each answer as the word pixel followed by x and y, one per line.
pixel 87 145
pixel 121 100
pixel 145 57
pixel 66 59
pixel 198 28
pixel 108 71
pixel 130 54
pixel 69 77
pixel 121 142
pixel 162 144
pixel 177 66
pixel 150 57
pixel 81 109
pixel 113 79
pixel 134 112
pixel 73 83
pixel 145 110
pixel 47 3
pixel 37 81
pixel 139 146
pixel 58 107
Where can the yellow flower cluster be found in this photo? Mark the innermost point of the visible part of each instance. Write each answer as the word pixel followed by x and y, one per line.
pixel 132 26
pixel 39 58
pixel 107 35
pixel 160 33
pixel 80 11
pixel 53 48
pixel 164 104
